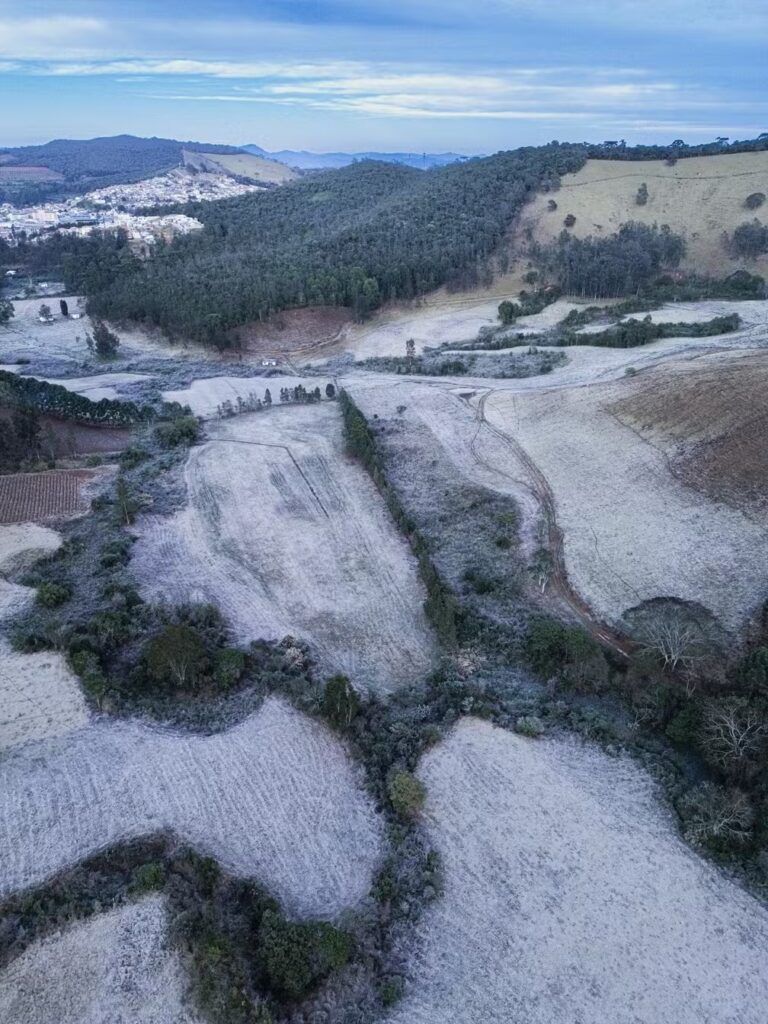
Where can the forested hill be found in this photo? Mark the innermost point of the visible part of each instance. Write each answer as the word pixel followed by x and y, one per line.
pixel 93 163
pixel 353 237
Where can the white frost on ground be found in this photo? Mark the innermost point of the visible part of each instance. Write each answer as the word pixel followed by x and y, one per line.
pixel 288 535
pixel 23 544
pixel 275 798
pixel 39 696
pixel 632 531
pixel 569 897
pixel 115 968
pixel 204 395
pixel 25 337
pixel 101 385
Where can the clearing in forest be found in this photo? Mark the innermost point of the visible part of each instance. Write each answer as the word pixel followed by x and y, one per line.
pixel 275 799
pixel 114 966
pixel 568 896
pixel 288 535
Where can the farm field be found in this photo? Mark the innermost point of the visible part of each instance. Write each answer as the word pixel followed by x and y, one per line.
pixel 568 896
pixel 710 419
pixel 289 536
pixel 115 965
pixel 39 696
pixel 632 530
pixel 274 798
pixel 47 496
pixel 205 395
pixel 700 198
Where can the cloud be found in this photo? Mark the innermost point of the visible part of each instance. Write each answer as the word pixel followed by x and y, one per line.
pixel 51 38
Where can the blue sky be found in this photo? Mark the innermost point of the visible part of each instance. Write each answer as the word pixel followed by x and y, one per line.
pixel 465 75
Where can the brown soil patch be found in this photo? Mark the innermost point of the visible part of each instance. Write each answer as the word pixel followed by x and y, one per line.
pixel 76 439
pixel 41 497
pixel 294 332
pixel 711 419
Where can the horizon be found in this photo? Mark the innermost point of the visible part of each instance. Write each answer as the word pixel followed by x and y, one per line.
pixel 349 76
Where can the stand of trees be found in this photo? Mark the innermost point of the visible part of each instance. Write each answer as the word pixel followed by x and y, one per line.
pixel 632 333
pixel 355 237
pixel 618 265
pixel 54 400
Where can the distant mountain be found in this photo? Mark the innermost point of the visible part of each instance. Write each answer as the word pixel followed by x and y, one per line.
pixel 306 161
pixel 77 165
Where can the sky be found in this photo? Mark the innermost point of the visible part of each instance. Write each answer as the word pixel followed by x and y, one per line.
pixel 470 76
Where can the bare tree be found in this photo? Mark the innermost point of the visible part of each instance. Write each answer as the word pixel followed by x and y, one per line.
pixel 717 817
pixel 673 632
pixel 732 732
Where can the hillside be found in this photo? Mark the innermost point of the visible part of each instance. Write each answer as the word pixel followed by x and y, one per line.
pixel 700 197
pixel 353 237
pixel 240 165
pixel 76 165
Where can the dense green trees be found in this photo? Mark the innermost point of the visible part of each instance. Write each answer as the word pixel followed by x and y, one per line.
pixel 617 265
pixel 354 237
pixel 55 400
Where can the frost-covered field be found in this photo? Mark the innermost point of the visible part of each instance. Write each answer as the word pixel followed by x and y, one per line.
pixel 113 968
pixel 632 531
pixel 39 696
pixel 274 798
pixel 289 536
pixel 22 544
pixel 64 339
pixel 569 897
pixel 205 395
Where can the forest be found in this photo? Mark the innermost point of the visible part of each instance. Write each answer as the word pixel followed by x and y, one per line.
pixel 354 237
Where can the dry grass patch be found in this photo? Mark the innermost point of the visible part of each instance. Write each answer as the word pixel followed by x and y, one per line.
pixel 701 198
pixel 568 896
pixel 711 418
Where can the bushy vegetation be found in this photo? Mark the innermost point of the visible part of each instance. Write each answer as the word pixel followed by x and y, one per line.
pixel 528 303
pixel 750 239
pixel 630 333
pixel 434 363
pixel 296 956
pixel 441 605
pixel 617 265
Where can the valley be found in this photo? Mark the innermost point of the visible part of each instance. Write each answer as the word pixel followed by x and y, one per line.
pixel 381 659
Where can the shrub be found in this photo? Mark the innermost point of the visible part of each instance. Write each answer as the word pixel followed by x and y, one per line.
pixel 750 239
pixel 569 221
pixel 717 818
pixel 228 667
pixel 176 658
pixel 297 956
pixel 406 794
pixel 340 702
pixel 567 653
pixel 641 198
pixel 183 430
pixel 755 200
pixel 752 671
pixel 529 725
pixel 551 205
pixel 51 595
